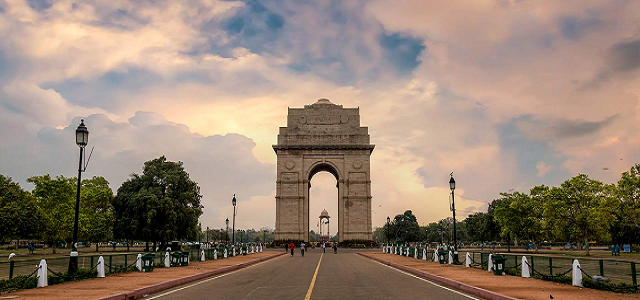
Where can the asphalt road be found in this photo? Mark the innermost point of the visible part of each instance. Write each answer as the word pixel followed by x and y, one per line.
pixel 339 276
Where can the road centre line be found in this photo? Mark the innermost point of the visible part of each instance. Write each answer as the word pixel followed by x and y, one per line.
pixel 313 280
pixel 210 279
pixel 425 280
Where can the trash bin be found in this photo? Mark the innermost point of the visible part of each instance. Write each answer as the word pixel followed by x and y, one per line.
pixel 147 261
pixel 442 256
pixel 185 258
pixel 176 257
pixel 498 264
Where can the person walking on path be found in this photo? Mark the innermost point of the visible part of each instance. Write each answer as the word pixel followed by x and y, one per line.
pixel 292 247
pixel 335 248
pixel 323 247
pixel 302 249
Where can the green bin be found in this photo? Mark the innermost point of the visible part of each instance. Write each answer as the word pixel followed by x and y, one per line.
pixel 176 257
pixel 498 264
pixel 442 256
pixel 185 258
pixel 147 261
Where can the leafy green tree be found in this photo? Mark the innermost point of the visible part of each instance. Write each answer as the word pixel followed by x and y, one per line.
pixel 506 216
pixel 625 228
pixel 96 211
pixel 20 216
pixel 579 207
pixel 162 204
pixel 56 199
pixel 405 227
pixel 482 227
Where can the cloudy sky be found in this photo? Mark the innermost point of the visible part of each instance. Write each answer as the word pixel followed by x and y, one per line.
pixel 507 94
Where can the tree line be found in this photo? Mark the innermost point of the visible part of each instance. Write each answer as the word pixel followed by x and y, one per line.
pixel 579 211
pixel 160 205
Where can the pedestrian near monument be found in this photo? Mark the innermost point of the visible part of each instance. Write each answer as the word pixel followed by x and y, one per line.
pixel 335 248
pixel 292 247
pixel 302 249
pixel 323 247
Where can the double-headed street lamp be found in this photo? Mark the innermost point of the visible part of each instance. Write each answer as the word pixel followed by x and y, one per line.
pixel 227 232
pixel 233 201
pixel 452 186
pixel 82 138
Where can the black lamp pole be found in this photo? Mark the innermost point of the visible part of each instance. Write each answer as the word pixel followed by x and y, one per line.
pixel 227 232
pixel 452 185
pixel 388 227
pixel 82 138
pixel 233 201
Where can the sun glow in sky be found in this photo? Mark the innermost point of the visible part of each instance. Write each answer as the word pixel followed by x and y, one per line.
pixel 506 94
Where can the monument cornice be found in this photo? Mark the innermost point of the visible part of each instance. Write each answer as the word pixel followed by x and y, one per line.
pixel 324 147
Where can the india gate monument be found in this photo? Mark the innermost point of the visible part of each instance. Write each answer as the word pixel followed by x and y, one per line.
pixel 323 137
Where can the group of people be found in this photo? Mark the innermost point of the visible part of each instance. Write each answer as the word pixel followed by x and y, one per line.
pixel 292 247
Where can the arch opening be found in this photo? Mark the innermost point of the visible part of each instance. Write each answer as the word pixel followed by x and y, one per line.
pixel 323 198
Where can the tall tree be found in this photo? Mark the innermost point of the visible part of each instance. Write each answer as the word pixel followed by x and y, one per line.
pixel 162 204
pixel 56 199
pixel 405 227
pixel 96 210
pixel 625 228
pixel 579 207
pixel 20 216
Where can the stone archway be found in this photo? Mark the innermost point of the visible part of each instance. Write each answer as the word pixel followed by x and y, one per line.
pixel 323 137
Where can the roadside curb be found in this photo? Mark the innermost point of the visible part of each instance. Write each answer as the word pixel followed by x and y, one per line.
pixel 475 291
pixel 139 293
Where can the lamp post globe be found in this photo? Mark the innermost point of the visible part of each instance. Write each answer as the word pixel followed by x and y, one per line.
pixel 233 232
pixel 82 139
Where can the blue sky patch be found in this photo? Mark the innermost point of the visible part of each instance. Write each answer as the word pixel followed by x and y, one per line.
pixel 402 51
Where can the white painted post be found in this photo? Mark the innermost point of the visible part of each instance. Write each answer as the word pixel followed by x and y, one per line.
pixel 202 258
pixel 435 255
pixel 167 260
pixel 225 252
pixel 100 267
pixel 450 257
pixel 383 248
pixel 260 248
pixel 234 250
pixel 576 274
pixel 139 262
pixel 467 260
pixel 490 263
pixel 424 254
pixel 415 253
pixel 526 273
pixel 42 274
pixel 215 254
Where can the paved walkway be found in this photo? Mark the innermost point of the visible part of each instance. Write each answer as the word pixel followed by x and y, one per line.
pixel 316 276
pixel 513 286
pixel 113 284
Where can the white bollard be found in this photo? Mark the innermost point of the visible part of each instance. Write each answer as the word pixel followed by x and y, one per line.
pixel 383 250
pixel 167 260
pixel 139 262
pixel 450 257
pixel 490 263
pixel 435 255
pixel 467 260
pixel 42 274
pixel 215 254
pixel 225 252
pixel 100 267
pixel 415 253
pixel 234 251
pixel 401 250
pixel 424 254
pixel 202 258
pixel 576 274
pixel 526 273
pixel 260 248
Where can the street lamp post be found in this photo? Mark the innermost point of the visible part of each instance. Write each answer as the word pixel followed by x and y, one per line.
pixel 388 227
pixel 233 201
pixel 207 235
pixel 452 185
pixel 82 138
pixel 227 232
